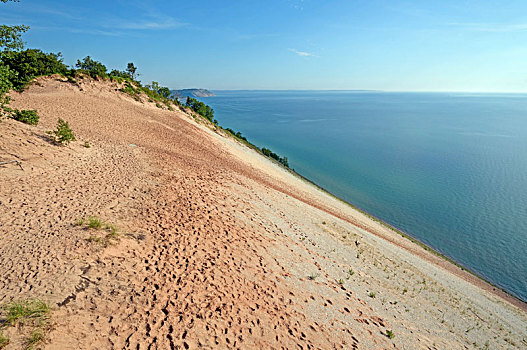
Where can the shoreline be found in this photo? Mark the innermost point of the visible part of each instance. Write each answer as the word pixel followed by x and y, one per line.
pixel 445 262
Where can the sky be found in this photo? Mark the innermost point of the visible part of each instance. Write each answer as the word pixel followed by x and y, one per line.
pixel 425 45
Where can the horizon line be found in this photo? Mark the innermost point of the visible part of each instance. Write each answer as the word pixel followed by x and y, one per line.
pixel 372 90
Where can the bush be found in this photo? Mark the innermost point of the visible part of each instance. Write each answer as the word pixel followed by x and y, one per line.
pixel 200 108
pixel 6 75
pixel 26 116
pixel 93 68
pixel 238 134
pixel 267 152
pixel 32 63
pixel 120 74
pixel 63 133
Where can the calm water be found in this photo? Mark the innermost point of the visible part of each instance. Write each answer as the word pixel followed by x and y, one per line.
pixel 449 169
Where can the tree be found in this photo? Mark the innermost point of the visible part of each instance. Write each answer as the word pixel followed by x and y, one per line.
pixel 32 63
pixel 164 91
pixel 120 74
pixel 131 69
pixel 6 75
pixel 10 39
pixel 94 68
pixel 11 36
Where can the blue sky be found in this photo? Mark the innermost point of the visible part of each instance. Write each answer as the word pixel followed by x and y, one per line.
pixel 442 45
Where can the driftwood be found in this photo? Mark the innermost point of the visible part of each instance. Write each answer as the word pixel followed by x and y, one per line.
pixel 13 161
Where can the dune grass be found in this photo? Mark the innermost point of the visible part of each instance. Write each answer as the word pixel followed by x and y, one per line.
pixel 21 311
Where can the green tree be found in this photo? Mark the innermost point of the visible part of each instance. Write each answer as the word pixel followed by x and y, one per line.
pixel 32 63
pixel 164 91
pixel 6 75
pixel 120 74
pixel 131 69
pixel 10 39
pixel 93 68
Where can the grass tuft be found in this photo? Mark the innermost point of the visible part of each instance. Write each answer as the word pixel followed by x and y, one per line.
pixel 36 337
pixel 313 276
pixel 372 295
pixel 94 223
pixel 3 340
pixel 389 334
pixel 20 311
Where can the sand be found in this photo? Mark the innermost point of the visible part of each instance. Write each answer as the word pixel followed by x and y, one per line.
pixel 217 247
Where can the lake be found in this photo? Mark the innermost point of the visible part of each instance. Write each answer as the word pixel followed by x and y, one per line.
pixel 449 169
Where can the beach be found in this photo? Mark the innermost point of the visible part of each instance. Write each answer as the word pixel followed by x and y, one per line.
pixel 217 246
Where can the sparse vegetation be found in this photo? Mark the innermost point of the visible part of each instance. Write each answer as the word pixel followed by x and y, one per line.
pixel 94 223
pixel 238 134
pixel 200 108
pixel 24 310
pixel 27 116
pixel 313 276
pixel 351 272
pixel 283 160
pixel 86 144
pixel 372 295
pixel 389 334
pixel 93 68
pixel 4 340
pixel 63 134
pixel 36 337
pixel 340 281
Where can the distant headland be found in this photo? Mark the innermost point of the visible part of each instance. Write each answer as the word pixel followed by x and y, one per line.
pixel 192 93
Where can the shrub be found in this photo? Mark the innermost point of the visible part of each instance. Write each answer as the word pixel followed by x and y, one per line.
pixel 63 133
pixel 120 74
pixel 283 160
pixel 200 108
pixel 129 89
pixel 6 75
pixel 32 63
pixel 93 68
pixel 26 116
pixel 389 334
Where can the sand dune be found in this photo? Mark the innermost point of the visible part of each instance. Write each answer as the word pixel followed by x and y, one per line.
pixel 218 246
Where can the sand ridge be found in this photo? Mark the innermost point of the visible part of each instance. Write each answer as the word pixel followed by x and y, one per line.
pixel 218 247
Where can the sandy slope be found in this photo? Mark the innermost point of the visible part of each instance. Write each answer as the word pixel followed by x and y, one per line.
pixel 218 247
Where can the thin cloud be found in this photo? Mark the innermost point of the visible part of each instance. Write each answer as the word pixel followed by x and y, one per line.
pixel 93 31
pixel 154 24
pixel 303 53
pixel 492 27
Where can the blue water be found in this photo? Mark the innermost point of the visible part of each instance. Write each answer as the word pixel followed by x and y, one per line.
pixel 448 169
